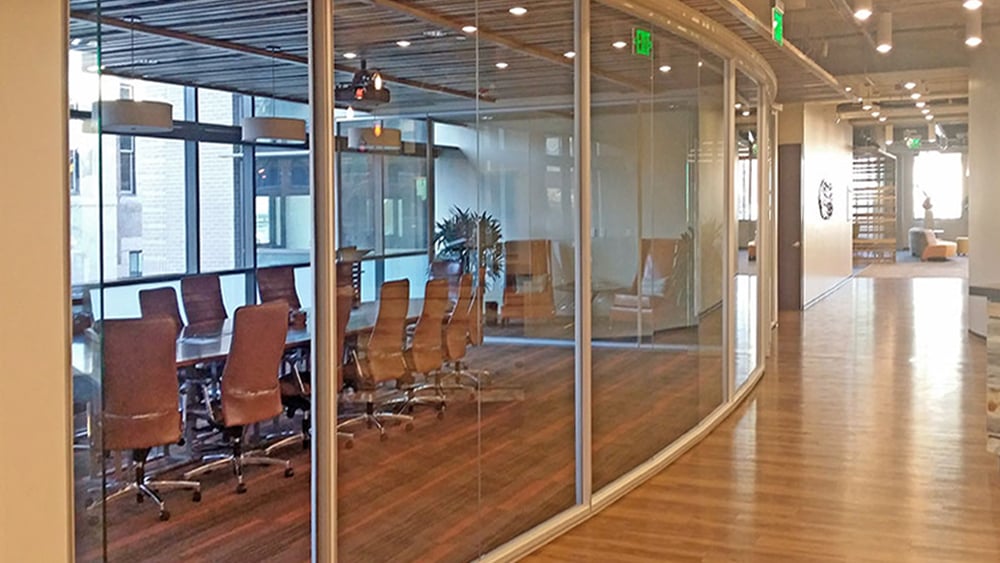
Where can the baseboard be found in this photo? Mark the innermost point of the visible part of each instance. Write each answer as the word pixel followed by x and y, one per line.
pixel 829 292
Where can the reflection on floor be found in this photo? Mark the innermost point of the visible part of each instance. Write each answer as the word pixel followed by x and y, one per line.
pixel 451 488
pixel 864 442
pixel 908 266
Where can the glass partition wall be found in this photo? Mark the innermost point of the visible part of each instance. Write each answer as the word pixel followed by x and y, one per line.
pixel 466 386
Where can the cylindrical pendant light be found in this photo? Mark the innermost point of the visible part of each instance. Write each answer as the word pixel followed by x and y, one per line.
pixel 862 9
pixel 128 117
pixel 974 28
pixel 884 44
pixel 273 128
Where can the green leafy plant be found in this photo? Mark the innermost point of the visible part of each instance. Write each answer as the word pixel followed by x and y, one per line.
pixel 471 239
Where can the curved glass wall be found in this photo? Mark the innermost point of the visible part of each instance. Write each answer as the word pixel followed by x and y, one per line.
pixel 488 384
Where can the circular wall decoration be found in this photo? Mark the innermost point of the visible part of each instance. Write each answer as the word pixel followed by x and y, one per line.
pixel 825 199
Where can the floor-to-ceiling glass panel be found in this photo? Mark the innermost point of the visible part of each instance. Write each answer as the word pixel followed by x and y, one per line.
pixel 174 363
pixel 408 487
pixel 746 198
pixel 282 206
pixel 657 239
pixel 528 205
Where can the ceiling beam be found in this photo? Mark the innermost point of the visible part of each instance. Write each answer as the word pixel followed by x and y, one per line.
pixel 201 40
pixel 499 39
pixel 745 16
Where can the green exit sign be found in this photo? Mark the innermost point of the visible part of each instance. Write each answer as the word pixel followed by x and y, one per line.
pixel 913 143
pixel 778 24
pixel 642 42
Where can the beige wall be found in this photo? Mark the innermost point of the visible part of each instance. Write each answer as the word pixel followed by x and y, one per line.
pixel 827 154
pixel 35 494
pixel 984 169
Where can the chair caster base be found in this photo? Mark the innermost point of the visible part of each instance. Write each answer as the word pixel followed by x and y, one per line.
pixel 440 414
pixel 196 497
pixel 349 444
pixel 289 472
pixel 164 515
pixel 241 488
pixel 383 437
pixel 408 427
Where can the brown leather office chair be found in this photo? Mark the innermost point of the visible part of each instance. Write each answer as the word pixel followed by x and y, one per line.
pixel 140 399
pixel 456 338
pixel 381 359
pixel 249 390
pixel 161 302
pixel 202 297
pixel 277 283
pixel 424 353
pixel 450 270
pixel 296 388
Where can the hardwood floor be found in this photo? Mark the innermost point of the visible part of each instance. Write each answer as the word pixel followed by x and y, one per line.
pixel 452 488
pixel 864 442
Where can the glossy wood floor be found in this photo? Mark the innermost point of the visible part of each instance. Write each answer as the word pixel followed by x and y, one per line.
pixel 864 442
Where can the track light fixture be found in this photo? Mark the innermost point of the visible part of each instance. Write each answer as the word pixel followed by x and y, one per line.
pixel 884 44
pixel 863 9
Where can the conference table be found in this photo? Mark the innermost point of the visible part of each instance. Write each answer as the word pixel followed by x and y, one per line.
pixel 211 341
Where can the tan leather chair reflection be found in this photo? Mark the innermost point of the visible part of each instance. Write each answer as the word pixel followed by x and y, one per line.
pixel 380 359
pixel 527 292
pixel 424 353
pixel 249 388
pixel 140 400
pixel 649 294
pixel 456 339
pixel 278 283
pixel 202 296
pixel 160 302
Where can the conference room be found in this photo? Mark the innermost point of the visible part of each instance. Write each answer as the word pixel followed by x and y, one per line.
pixel 476 283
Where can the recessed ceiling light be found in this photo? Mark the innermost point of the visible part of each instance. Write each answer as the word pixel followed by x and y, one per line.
pixel 925 111
pixel 502 65
pixel 929 117
pixel 701 64
pixel 619 44
pixel 746 113
pixel 883 119
pixel 974 41
pixel 569 54
pixel 469 29
pixel 403 43
pixel 915 96
pixel 921 104
pixel 866 106
pixel 972 4
pixel 350 55
pixel 876 113
pixel 910 85
pixel 738 105
pixel 664 68
pixel 860 99
pixel 848 89
pixel 518 11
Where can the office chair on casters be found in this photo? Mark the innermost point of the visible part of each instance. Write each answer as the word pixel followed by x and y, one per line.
pixel 249 390
pixel 140 401
pixel 383 357
pixel 424 353
pixel 456 340
pixel 296 391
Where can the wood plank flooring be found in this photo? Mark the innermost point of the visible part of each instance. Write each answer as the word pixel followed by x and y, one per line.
pixel 450 489
pixel 864 442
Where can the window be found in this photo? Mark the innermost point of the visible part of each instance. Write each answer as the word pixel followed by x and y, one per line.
pixel 939 178
pixel 135 263
pixel 223 198
pixel 126 164
pixel 746 181
pixel 282 206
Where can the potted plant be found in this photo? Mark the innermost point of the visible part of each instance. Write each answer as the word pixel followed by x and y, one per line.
pixel 471 239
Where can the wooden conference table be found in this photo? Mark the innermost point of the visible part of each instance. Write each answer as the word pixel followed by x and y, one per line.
pixel 209 342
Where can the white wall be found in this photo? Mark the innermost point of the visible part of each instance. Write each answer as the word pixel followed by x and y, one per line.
pixel 827 154
pixel 984 168
pixel 35 468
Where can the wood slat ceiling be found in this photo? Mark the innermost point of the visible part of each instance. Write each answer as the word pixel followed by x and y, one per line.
pixel 439 55
pixel 796 81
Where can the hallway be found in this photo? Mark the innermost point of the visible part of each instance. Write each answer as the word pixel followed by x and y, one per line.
pixel 864 441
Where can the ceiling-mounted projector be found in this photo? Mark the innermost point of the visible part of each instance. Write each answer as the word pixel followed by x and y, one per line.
pixel 365 90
